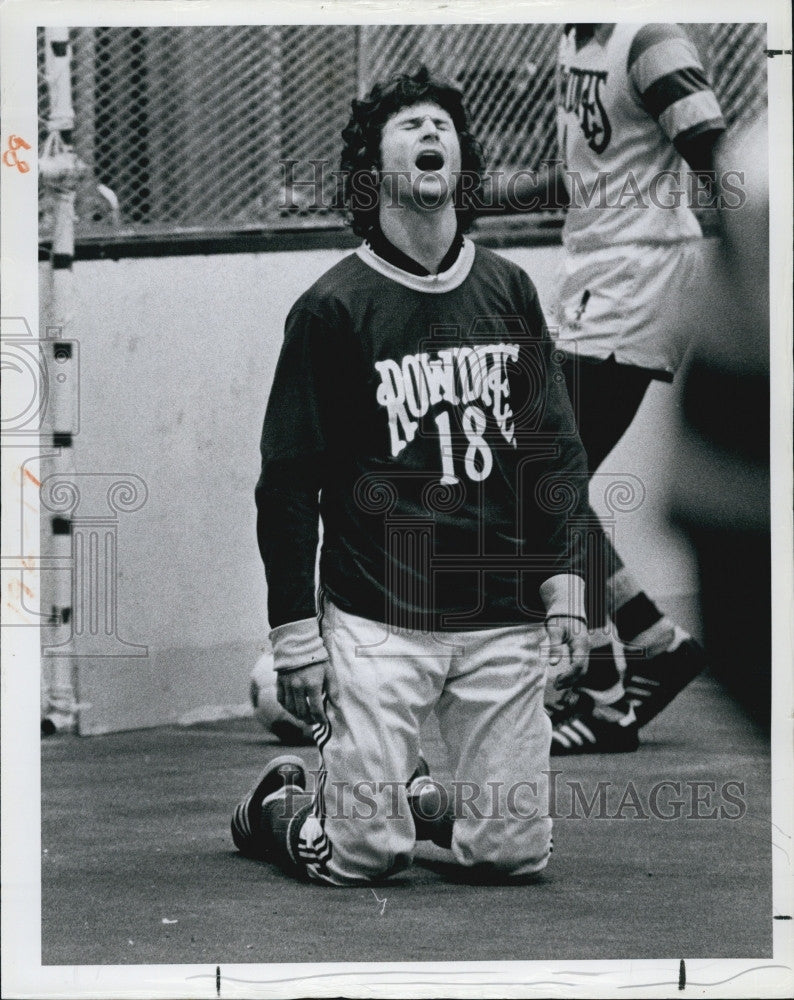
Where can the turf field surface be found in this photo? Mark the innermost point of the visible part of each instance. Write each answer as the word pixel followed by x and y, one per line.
pixel 138 864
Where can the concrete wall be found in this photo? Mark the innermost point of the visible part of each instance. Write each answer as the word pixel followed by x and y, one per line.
pixel 176 357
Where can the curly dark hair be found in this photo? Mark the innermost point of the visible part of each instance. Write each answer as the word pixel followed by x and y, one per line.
pixel 362 135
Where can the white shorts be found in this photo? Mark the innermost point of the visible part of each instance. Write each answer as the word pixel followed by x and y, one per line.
pixel 487 689
pixel 626 301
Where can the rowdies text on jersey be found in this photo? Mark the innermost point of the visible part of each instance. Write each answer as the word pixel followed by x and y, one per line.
pixel 580 92
pixel 473 377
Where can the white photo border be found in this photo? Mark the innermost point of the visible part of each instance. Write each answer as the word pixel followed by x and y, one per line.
pixel 23 974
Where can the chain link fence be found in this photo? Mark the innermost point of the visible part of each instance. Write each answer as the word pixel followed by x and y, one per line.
pixel 188 125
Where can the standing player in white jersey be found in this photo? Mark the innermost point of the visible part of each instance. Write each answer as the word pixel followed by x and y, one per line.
pixel 634 111
pixel 415 411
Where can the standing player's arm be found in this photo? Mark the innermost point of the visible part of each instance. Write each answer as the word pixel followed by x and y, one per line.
pixel 528 190
pixel 562 592
pixel 287 499
pixel 699 151
pixel 670 83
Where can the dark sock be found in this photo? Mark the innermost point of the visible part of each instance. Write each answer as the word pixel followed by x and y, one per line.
pixel 636 616
pixel 602 670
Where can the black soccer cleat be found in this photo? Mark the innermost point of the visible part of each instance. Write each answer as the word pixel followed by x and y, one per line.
pixel 576 730
pixel 247 831
pixel 652 683
pixel 432 818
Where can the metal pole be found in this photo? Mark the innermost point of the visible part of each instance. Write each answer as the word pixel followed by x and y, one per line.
pixel 60 171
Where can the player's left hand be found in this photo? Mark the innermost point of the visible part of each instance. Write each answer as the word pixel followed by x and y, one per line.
pixel 564 631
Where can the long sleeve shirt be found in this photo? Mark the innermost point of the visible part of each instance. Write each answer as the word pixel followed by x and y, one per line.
pixel 423 420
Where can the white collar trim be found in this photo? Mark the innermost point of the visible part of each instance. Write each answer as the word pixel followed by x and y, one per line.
pixel 433 283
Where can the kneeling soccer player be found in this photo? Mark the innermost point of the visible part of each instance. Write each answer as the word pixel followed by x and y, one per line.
pixel 416 410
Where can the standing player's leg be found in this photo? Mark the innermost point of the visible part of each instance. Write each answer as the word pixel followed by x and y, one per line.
pixel 607 397
pixel 492 719
pixel 597 716
pixel 661 657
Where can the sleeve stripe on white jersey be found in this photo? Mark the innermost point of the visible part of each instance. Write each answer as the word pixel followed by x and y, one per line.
pixel 713 125
pixel 671 88
pixel 661 60
pixel 654 34
pixel 689 112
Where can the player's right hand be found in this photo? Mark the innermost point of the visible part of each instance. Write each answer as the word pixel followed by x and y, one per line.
pixel 300 692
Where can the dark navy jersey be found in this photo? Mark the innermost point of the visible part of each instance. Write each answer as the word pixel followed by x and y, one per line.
pixel 425 419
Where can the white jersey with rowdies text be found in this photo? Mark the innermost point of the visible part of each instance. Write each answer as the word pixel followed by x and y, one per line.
pixel 623 98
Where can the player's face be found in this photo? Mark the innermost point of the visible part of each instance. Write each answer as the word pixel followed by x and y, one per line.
pixel 420 146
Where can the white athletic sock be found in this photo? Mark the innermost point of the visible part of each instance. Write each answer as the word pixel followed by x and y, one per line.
pixel 608 697
pixel 662 637
pixel 623 714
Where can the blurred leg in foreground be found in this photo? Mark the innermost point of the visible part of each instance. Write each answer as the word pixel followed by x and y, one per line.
pixel 722 496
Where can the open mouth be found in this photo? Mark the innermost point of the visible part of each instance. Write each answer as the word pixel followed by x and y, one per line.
pixel 430 159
